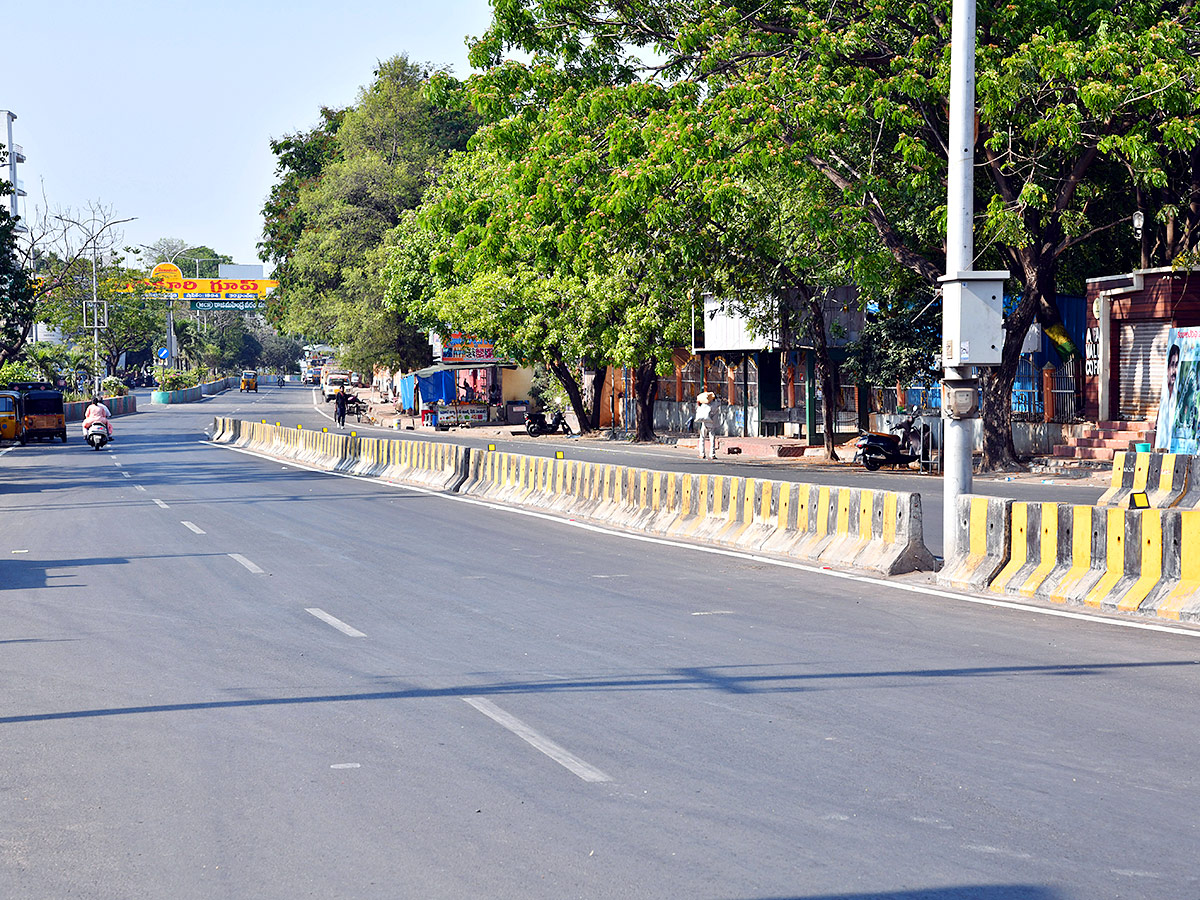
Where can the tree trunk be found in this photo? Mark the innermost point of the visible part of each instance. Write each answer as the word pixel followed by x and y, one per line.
pixel 999 452
pixel 566 377
pixel 597 392
pixel 645 386
pixel 826 371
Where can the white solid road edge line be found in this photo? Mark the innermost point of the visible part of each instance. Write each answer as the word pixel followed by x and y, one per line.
pixel 335 622
pixel 564 758
pixel 237 557
pixel 740 554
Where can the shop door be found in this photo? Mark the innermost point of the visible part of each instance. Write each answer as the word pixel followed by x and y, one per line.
pixel 1143 358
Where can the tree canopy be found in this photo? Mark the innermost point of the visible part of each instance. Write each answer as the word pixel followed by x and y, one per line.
pixel 783 145
pixel 342 189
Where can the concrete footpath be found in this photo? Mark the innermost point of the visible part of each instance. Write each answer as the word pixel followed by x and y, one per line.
pixel 790 453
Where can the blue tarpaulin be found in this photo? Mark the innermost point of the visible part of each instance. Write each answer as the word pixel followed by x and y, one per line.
pixel 437 387
pixel 407 386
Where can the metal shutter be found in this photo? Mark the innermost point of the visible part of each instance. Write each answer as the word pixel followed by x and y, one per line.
pixel 1142 363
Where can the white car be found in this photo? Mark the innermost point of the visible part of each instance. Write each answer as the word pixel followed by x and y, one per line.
pixel 330 388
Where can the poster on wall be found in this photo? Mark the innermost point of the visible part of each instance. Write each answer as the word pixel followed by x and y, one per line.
pixel 1178 427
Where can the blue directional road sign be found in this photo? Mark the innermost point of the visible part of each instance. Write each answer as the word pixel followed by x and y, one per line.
pixel 163 353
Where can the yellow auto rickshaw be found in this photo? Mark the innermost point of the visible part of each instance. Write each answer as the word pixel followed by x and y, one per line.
pixel 249 381
pixel 12 422
pixel 42 411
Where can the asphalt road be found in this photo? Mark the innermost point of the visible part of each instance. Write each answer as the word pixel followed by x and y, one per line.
pixel 296 405
pixel 224 677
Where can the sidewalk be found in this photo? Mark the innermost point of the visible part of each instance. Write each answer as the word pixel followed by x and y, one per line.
pixel 781 450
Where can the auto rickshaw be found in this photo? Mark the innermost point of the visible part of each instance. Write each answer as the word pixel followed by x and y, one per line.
pixel 249 381
pixel 12 422
pixel 42 414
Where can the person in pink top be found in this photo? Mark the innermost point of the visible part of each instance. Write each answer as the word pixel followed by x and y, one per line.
pixel 97 412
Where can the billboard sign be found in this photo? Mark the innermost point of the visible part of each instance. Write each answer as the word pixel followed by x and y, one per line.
pixel 1178 427
pixel 465 348
pixel 168 283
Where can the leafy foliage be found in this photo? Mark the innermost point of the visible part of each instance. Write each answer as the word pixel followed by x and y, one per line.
pixel 18 300
pixel 342 192
pixel 775 145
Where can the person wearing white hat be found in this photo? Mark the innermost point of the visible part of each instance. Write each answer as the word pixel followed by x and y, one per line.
pixel 705 420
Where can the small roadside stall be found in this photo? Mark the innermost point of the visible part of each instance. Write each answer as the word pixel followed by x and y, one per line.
pixel 468 385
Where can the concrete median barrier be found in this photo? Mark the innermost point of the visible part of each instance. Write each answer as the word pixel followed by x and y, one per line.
pixel 877 530
pixel 983 526
pixel 1163 477
pixel 1108 557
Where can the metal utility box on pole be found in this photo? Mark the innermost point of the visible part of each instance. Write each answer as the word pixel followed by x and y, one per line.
pixel 972 302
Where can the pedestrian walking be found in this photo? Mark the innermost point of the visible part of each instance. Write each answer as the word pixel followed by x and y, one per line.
pixel 339 407
pixel 705 420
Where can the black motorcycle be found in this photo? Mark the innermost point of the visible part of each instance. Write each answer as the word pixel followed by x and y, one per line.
pixel 903 446
pixel 536 424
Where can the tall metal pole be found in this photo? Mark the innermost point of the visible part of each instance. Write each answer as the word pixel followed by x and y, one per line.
pixel 958 434
pixel 95 328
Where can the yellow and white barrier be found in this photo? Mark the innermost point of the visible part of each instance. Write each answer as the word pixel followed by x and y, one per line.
pixel 877 530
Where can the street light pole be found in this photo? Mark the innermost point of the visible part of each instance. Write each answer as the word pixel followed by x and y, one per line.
pixel 972 302
pixel 96 380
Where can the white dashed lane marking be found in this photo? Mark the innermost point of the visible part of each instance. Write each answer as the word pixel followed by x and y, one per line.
pixel 335 622
pixel 241 560
pixel 563 757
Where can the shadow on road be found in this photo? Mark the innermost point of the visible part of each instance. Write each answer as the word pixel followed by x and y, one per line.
pixel 715 679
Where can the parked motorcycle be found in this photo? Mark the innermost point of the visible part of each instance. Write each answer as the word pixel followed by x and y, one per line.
pixel 901 447
pixel 98 435
pixel 536 424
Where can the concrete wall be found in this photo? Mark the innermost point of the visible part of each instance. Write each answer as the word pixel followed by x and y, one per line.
pixel 118 406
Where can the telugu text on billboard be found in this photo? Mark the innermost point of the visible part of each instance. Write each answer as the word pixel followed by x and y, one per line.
pixel 463 348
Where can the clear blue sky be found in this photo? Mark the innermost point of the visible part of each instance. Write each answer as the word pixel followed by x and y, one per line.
pixel 164 111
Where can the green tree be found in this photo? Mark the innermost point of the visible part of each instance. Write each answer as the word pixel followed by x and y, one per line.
pixel 300 160
pixel 18 299
pixel 342 190
pixel 134 320
pixel 1070 97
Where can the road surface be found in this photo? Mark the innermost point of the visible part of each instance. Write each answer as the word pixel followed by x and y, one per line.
pixel 222 676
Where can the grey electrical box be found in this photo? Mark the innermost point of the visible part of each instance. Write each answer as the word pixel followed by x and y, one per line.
pixel 973 318
pixel 960 400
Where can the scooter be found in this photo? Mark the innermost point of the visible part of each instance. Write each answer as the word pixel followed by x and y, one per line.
pixel 98 435
pixel 903 446
pixel 536 424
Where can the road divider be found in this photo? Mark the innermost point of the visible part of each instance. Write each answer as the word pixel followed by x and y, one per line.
pixel 881 531
pixel 1144 561
pixel 1164 478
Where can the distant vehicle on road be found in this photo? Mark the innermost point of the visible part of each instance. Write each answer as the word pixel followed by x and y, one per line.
pixel 43 415
pixel 12 421
pixel 249 381
pixel 330 388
